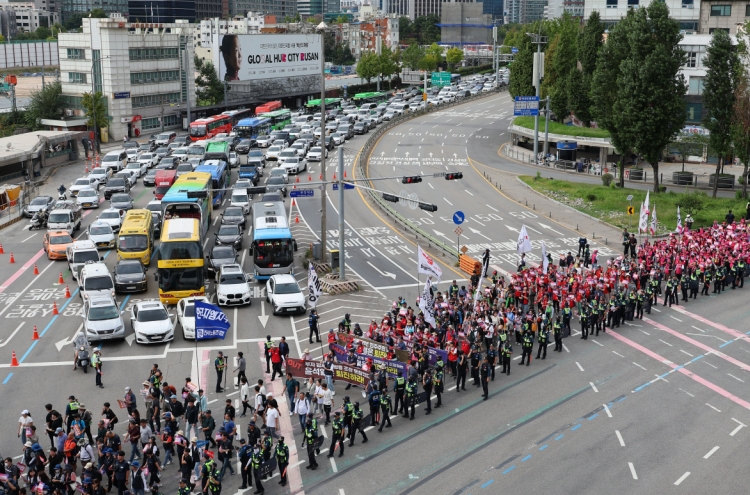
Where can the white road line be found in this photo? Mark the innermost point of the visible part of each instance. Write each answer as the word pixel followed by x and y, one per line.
pixel 216 219
pixel 597 343
pixel 632 470
pixel 675 318
pixel 615 352
pixel 741 425
pixel 711 452
pixel 670 345
pixel 712 407
pixel 491 208
pixel 333 466
pixel 645 332
pixel 341 491
pixel 698 329
pixel 606 410
pixel 657 310
pixel 619 437
pixel 738 379
pixel 691 395
pixel 711 365
pixel 686 352
pixel 594 387
pixel 32 235
pixel 448 202
pixel 430 185
pixel 579 366
pixel 641 367
pixel 682 478
pixel 659 377
pixel 467 192
pixel 566 348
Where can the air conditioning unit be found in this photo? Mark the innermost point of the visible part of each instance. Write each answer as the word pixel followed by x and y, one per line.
pixel 688 6
pixel 69 113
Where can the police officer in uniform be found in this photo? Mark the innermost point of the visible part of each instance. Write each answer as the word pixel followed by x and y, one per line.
pixel 121 471
pixel 557 329
pixel 400 388
pixel 245 455
pixel 184 488
pixel 348 408
pixel 693 283
pixel 640 298
pixel 385 408
pixel 528 346
pixel 505 353
pixel 427 384
pixel 374 400
pixel 209 466
pixel 411 397
pixel 584 323
pixel 491 358
pixel 213 486
pixel 267 346
pixel 256 462
pixel 461 375
pixel 740 279
pixel 484 373
pixel 311 436
pixel 706 282
pixel 542 344
pixel 357 417
pixel 476 359
pixel 282 459
pixel 312 321
pixel 338 435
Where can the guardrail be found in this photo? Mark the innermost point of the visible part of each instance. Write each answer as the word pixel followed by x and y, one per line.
pixel 369 146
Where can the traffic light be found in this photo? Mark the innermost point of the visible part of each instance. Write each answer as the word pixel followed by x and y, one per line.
pixel 390 197
pixel 454 176
pixel 411 180
pixel 428 207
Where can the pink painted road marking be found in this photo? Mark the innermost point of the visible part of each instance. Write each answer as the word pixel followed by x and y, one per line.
pixel 710 323
pixel 681 369
pixel 708 349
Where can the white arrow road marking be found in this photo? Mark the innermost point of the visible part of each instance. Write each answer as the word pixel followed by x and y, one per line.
pixel 385 274
pixel 441 234
pixel 512 228
pixel 479 233
pixel 263 318
pixel 130 338
pixel 67 340
pixel 550 228
pixel 534 230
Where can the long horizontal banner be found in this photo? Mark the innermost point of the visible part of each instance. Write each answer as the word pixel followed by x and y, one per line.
pixel 391 367
pixel 375 349
pixel 343 372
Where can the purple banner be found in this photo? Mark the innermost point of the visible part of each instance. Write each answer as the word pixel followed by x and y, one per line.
pixel 391 367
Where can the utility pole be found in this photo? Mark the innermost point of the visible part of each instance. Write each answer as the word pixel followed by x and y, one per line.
pixel 377 50
pixel 188 76
pixel 538 73
pixel 494 47
pixel 342 257
pixel 546 129
pixel 324 196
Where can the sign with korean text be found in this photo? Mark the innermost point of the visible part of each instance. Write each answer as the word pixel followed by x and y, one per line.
pixel 527 106
pixel 316 369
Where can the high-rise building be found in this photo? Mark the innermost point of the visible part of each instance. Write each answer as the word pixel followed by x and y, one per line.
pixel 556 8
pixel 209 9
pixel 28 17
pixel 279 8
pixel 161 11
pixel 50 5
pixel 308 8
pixel 463 22
pixel 493 8
pixel 69 8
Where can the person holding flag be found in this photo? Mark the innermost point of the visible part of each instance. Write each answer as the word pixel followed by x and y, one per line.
pixel 483 275
pixel 523 246
pixel 211 323
pixel 679 221
pixel 652 227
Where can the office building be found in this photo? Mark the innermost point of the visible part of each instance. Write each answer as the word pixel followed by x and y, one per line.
pixel 279 8
pixel 51 5
pixel 556 8
pixel 687 12
pixel 161 11
pixel 493 8
pixel 143 71
pixel 524 11
pixel 28 18
pixel 307 8
pixel 727 15
pixel 69 8
pixel 465 23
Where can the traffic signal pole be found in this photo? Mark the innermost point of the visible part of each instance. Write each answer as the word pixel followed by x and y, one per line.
pixel 342 257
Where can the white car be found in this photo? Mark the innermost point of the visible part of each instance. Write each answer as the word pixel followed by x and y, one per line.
pixel 338 138
pixel 138 167
pixel 232 285
pixel 132 154
pixel 234 159
pixel 299 148
pixel 149 159
pixel 88 198
pixel 287 153
pixel 101 174
pixel 284 295
pixel 293 165
pixel 314 155
pixel 102 235
pixel 243 184
pixel 390 114
pixel 273 152
pixel 83 183
pixel 151 322
pixel 186 315
pixel 130 175
pixel 180 154
pixel 112 217
pixel 102 319
pixel 263 141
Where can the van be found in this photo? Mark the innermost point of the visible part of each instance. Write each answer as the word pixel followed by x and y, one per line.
pixel 79 253
pixel 116 160
pixel 94 279
pixel 365 113
pixel 165 138
pixel 65 215
pixel 164 180
pixel 136 237
pixel 240 197
pixel 400 108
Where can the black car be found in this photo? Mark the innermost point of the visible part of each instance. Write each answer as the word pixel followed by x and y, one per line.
pixel 147 147
pixel 360 128
pixel 183 140
pixel 257 158
pixel 233 215
pixel 233 141
pixel 162 152
pixel 229 235
pixel 168 163
pixel 243 147
pixel 150 178
pixel 220 256
pixel 274 184
pixel 116 185
pixel 156 218
pixel 130 276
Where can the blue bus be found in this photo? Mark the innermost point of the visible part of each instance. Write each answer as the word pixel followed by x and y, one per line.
pixel 219 171
pixel 253 127
pixel 176 203
pixel 271 242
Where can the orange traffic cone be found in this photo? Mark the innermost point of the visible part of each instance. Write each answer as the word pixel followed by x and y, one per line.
pixel 297 179
pixel 36 270
pixel 60 280
pixel 87 166
pixel 54 308
pixel 296 219
pixel 2 251
pixel 334 176
pixel 12 259
pixel 293 203
pixel 67 291
pixel 321 177
pixel 309 178
pixel 344 174
pixel 14 360
pixel 35 336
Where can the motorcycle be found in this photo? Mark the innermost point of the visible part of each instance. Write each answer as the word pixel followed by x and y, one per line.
pixel 83 359
pixel 38 221
pixel 62 196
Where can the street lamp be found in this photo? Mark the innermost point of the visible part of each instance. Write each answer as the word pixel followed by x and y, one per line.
pixel 321 28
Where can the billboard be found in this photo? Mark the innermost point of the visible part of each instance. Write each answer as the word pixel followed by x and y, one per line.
pixel 253 57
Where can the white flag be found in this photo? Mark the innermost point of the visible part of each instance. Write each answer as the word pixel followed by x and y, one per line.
pixel 524 244
pixel 645 203
pixel 426 265
pixel 313 287
pixel 643 220
pixel 427 304
pixel 485 267
pixel 679 221
pixel 653 220
pixel 545 261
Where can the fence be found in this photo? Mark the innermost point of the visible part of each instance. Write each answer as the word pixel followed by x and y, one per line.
pixel 14 212
pixel 582 167
pixel 377 198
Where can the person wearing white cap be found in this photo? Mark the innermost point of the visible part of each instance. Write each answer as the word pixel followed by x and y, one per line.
pixel 24 422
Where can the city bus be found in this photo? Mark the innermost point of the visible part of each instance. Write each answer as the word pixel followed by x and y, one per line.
pixel 219 170
pixel 313 106
pixel 218 150
pixel 209 127
pixel 271 242
pixel 180 263
pixel 268 107
pixel 279 118
pixel 371 97
pixel 253 127
pixel 136 239
pixel 190 197
pixel 238 115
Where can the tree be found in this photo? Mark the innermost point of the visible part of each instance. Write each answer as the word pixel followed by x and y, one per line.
pixel 604 89
pixel 412 56
pixel 579 102
pixel 719 88
pixel 560 58
pixel 96 108
pixel 44 104
pixel 651 89
pixel 209 88
pixel 741 127
pixel 454 56
pixel 368 66
pixel 590 41
pixel 436 51
pixel 387 65
pixel 426 30
pixel 521 72
pixel 98 13
pixel 428 63
pixel 342 19
pixel 197 62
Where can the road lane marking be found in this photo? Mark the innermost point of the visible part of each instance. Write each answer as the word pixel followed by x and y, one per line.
pixel 675 318
pixel 32 235
pixel 711 452
pixel 686 352
pixel 606 410
pixel 597 343
pixel 632 470
pixel 594 387
pixel 670 345
pixel 738 379
pixel 741 425
pixel 615 352
pixel 579 366
pixel 712 407
pixel 619 437
pixel 641 367
pixel 682 478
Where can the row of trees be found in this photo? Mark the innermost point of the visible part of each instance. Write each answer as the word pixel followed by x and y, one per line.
pixel 389 63
pixel 421 31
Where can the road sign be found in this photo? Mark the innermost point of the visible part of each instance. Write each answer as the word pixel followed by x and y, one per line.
pixel 302 193
pixel 441 79
pixel 346 186
pixel 464 249
pixel 631 210
pixel 459 231
pixel 527 106
pixel 459 217
pixel 514 50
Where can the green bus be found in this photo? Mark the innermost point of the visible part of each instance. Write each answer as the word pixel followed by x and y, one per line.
pixel 279 118
pixel 313 106
pixel 217 150
pixel 371 97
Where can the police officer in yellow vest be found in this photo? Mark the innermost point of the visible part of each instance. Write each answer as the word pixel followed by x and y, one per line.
pixel 282 459
pixel 267 346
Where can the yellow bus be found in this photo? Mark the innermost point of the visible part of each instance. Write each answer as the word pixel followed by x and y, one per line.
pixel 136 238
pixel 180 265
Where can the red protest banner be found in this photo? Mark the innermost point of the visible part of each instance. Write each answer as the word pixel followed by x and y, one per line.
pixel 341 371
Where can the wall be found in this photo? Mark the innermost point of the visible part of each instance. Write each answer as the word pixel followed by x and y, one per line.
pixel 39 54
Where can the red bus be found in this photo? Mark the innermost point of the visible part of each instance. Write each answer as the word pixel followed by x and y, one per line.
pixel 209 127
pixel 268 107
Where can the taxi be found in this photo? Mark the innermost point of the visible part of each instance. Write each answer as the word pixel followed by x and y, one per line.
pixel 55 243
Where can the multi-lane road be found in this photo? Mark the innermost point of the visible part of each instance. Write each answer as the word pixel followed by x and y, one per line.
pixel 649 406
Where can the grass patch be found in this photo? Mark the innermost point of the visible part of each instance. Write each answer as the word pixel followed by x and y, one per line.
pixel 610 204
pixel 557 128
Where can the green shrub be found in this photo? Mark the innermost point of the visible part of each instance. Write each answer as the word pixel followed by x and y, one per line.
pixel 607 179
pixel 538 176
pixel 591 197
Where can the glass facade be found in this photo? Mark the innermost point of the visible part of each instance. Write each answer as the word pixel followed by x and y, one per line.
pixel 155 100
pixel 154 77
pixel 69 8
pixel 153 53
pixel 162 11
pixel 77 78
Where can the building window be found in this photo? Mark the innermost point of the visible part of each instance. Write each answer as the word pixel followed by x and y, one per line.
pixel 721 10
pixel 155 100
pixel 696 86
pixel 694 112
pixel 711 30
pixel 154 77
pixel 76 53
pixel 153 122
pixel 152 53
pixel 611 4
pixel 695 55
pixel 690 60
pixel 71 102
pixel 633 3
pixel 747 10
pixel 76 78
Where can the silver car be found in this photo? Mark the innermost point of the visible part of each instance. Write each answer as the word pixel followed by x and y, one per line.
pixel 102 319
pixel 102 235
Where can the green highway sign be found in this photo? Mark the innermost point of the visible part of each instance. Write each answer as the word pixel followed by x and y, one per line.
pixel 441 79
